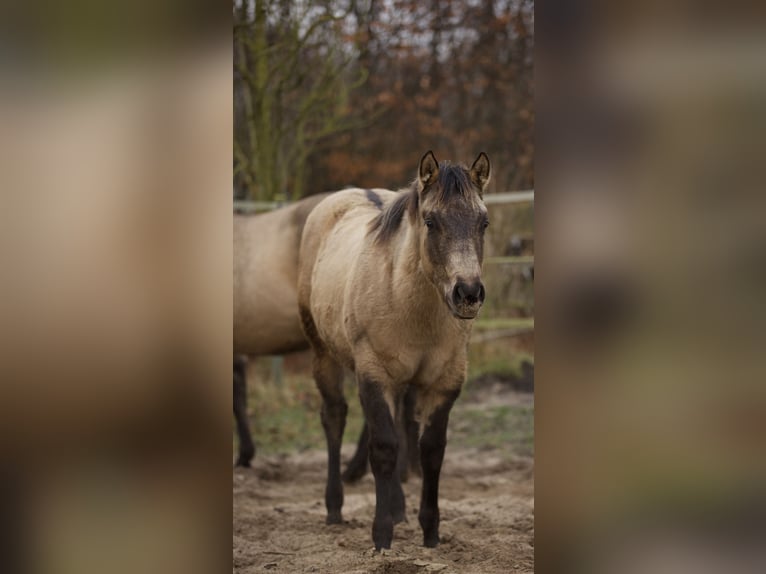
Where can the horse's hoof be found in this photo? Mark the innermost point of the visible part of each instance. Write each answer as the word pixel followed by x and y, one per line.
pixel 400 517
pixel 431 541
pixel 245 456
pixel 382 533
pixel 334 518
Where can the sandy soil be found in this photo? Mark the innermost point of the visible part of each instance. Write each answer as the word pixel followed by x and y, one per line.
pixel 487 527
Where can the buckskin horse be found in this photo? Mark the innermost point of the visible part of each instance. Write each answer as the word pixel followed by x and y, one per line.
pixel 388 287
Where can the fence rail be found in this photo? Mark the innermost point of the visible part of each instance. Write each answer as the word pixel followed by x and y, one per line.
pixel 512 260
pixel 510 197
pixel 489 199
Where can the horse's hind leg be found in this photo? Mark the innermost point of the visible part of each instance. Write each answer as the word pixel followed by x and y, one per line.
pixel 384 446
pixel 402 468
pixel 246 446
pixel 412 431
pixel 409 454
pixel 357 466
pixel 432 445
pixel 329 379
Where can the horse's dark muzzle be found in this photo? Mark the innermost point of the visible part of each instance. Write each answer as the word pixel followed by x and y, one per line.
pixel 468 294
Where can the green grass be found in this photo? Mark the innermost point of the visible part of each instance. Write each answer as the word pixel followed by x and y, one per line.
pixel 286 418
pixel 504 323
pixel 508 428
pixel 481 362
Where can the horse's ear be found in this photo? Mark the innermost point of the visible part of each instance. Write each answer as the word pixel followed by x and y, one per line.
pixel 480 172
pixel 428 170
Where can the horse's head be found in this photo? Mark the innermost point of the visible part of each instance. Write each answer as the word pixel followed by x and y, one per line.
pixel 451 220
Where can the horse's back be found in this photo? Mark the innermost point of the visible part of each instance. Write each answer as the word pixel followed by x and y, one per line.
pixel 265 280
pixel 342 216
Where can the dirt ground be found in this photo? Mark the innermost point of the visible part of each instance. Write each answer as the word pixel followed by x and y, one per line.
pixel 486 502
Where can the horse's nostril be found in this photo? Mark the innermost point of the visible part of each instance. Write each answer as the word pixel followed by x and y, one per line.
pixel 457 294
pixel 468 294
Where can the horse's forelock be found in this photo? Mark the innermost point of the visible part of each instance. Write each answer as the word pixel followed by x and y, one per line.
pixel 454 181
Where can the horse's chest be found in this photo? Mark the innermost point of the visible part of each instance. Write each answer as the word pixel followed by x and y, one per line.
pixel 441 366
pixel 422 364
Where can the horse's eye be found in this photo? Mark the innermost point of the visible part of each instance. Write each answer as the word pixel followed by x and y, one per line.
pixel 429 223
pixel 485 224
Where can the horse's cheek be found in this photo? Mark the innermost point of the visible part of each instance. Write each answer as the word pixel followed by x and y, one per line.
pixel 480 248
pixel 426 262
pixel 436 259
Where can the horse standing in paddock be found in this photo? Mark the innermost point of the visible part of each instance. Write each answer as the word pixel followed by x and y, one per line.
pixel 266 319
pixel 388 286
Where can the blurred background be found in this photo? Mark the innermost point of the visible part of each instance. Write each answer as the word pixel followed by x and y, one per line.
pixel 335 93
pixel 115 274
pixel 651 403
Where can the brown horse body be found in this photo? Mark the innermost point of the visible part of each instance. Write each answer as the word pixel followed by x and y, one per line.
pixel 266 320
pixel 266 248
pixel 388 286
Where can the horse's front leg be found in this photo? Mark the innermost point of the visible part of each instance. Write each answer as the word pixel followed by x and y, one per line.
pixel 384 446
pixel 432 444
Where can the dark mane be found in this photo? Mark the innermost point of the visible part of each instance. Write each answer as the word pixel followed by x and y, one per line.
pixel 453 182
pixel 390 218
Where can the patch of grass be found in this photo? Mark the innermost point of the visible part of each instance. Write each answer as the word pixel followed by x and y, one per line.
pixel 506 427
pixel 504 323
pixel 287 418
pixel 481 361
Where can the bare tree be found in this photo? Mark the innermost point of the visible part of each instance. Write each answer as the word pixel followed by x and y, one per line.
pixel 294 71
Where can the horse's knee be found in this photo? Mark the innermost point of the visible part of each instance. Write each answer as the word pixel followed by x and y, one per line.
pixel 432 456
pixel 383 455
pixel 432 444
pixel 334 415
pixel 335 409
